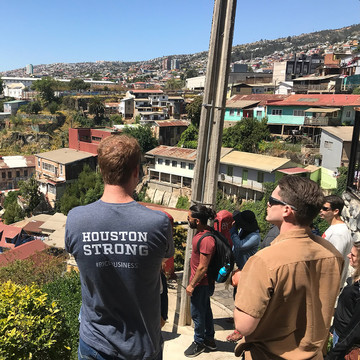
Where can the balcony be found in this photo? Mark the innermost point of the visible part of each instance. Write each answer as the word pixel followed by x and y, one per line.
pixel 322 121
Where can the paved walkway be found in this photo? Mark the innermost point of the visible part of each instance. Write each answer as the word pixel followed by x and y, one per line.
pixel 178 338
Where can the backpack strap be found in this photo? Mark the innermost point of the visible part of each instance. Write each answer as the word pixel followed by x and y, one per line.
pixel 209 233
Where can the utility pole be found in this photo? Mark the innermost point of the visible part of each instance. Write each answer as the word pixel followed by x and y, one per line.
pixel 211 126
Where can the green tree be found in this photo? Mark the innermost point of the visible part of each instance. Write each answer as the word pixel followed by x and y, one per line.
pixel 34 107
pixel 85 190
pixel 189 138
pixel 83 121
pixel 174 84
pixel 53 107
pixel 29 191
pixel 46 87
pixel 78 84
pixel 194 110
pixel 143 135
pixel 116 119
pixel 246 135
pixel 183 203
pixel 356 91
pixel 13 213
pixel 97 108
pixel 341 181
pixel 190 73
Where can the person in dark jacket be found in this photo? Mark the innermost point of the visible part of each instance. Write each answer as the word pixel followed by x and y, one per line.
pixel 346 333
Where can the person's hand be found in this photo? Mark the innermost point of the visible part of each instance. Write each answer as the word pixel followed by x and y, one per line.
pixel 233 223
pixel 189 290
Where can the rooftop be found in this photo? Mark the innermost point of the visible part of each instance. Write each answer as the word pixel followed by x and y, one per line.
pixel 255 161
pixel 64 156
pixel 343 133
pixel 12 162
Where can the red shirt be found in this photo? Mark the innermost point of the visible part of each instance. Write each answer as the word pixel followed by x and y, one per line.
pixel 207 247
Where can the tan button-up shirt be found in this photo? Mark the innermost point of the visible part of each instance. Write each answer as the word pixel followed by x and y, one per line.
pixel 292 286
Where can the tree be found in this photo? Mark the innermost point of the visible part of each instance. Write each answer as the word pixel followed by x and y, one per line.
pixel 116 119
pixel 174 84
pixel 78 84
pixel 34 107
pixel 96 107
pixel 53 107
pixel 143 135
pixel 13 213
pixel 29 191
pixel 83 121
pixel 46 87
pixel 356 91
pixel 189 138
pixel 194 110
pixel 190 73
pixel 246 135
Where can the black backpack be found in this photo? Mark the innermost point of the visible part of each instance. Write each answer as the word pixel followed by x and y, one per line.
pixel 222 262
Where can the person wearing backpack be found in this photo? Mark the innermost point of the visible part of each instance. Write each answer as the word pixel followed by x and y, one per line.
pixel 245 236
pixel 200 287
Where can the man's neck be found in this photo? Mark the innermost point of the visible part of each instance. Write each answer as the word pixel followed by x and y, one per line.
pixel 336 220
pixel 117 194
pixel 201 228
pixel 288 226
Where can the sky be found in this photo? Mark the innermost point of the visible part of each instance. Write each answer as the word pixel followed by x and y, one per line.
pixel 49 31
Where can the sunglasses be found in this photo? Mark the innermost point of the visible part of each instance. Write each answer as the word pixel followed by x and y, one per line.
pixel 325 208
pixel 272 201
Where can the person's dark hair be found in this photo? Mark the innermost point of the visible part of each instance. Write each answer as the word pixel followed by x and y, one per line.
pixel 304 194
pixel 118 156
pixel 246 220
pixel 202 213
pixel 336 202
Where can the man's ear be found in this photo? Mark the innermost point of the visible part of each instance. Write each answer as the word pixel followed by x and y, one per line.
pixel 336 212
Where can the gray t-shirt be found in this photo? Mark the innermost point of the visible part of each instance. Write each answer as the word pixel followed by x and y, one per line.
pixel 119 249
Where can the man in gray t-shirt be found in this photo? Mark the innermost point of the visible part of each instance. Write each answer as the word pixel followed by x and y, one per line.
pixel 119 246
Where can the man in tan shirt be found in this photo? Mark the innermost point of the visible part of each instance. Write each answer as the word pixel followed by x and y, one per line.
pixel 287 291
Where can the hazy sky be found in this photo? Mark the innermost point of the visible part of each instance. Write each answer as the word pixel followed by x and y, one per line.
pixel 50 31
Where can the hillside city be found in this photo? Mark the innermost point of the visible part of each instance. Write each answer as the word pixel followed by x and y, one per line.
pixel 292 108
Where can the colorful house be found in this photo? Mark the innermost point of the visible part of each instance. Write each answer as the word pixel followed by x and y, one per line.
pixel 299 111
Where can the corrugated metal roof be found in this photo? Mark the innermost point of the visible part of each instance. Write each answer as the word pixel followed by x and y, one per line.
pixel 322 110
pixel 262 98
pixel 165 123
pixel 319 100
pixel 173 152
pixel 343 133
pixel 254 161
pixel 12 162
pixel 241 104
pixel 64 156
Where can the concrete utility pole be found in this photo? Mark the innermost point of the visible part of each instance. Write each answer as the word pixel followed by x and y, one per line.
pixel 211 126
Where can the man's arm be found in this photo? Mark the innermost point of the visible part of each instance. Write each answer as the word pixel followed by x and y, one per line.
pixel 200 272
pixel 244 323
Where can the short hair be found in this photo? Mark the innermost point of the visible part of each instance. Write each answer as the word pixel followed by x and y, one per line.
pixel 118 156
pixel 202 213
pixel 304 194
pixel 336 202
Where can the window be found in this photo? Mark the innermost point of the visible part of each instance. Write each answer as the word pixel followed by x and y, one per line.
pixel 3 175
pixel 298 113
pixel 183 165
pixel 258 113
pixel 260 177
pixel 39 163
pixel 328 144
pixel 232 112
pixel 51 189
pixel 335 114
pixel 238 112
pixel 174 163
pixel 48 167
pixel 229 171
pixel 160 161
pixel 191 166
pixel 9 175
pixel 17 173
pixel 25 173
pixel 276 112
pixel 167 162
pixel 348 113
pixel 61 169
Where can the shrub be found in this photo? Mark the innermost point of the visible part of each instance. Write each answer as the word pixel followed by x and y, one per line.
pixel 31 327
pixel 66 291
pixel 179 235
pixel 183 203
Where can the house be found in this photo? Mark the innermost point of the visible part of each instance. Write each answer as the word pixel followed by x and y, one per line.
pixel 326 84
pixel 309 110
pixel 335 146
pixel 14 169
pixel 239 106
pixel 176 106
pixel 56 168
pixel 168 132
pixel 88 140
pixel 248 89
pixel 243 174
pixel 12 236
pixel 13 106
pixel 126 107
pixel 24 251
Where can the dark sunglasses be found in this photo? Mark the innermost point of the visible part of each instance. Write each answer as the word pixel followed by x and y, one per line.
pixel 325 208
pixel 272 201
